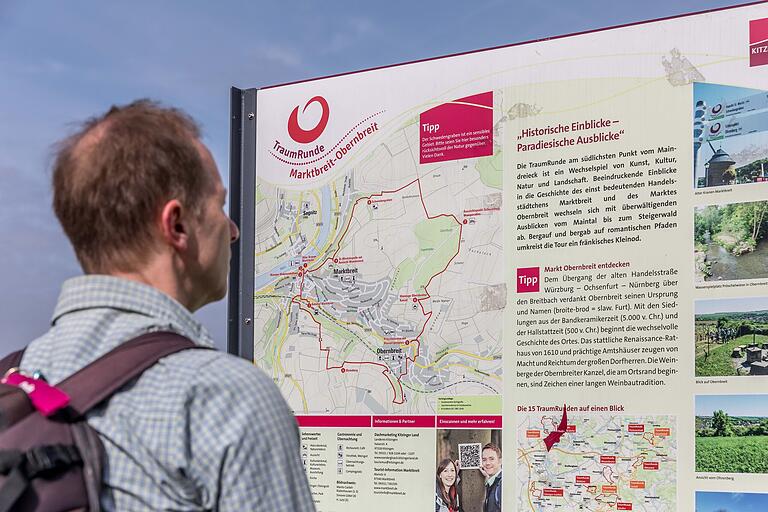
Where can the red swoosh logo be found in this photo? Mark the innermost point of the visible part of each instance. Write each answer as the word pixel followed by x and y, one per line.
pixel 554 437
pixel 301 135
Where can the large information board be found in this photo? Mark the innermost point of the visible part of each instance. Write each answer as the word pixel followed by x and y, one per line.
pixel 549 258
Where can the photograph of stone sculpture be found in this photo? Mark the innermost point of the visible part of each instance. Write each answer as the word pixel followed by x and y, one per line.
pixel 731 337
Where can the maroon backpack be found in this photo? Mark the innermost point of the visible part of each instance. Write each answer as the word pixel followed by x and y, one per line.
pixel 54 463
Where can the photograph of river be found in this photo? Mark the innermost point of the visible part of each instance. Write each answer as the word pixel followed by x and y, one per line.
pixel 730 241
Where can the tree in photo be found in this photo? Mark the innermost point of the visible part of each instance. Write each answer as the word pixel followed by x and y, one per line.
pixel 722 424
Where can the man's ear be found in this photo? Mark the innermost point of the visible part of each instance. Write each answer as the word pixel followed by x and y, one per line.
pixel 174 228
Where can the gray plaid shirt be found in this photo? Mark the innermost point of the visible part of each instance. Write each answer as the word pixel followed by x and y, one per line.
pixel 200 430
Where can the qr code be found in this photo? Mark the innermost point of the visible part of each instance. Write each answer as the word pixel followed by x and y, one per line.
pixel 469 455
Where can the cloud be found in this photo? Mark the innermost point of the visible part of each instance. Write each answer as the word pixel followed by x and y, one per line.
pixel 45 67
pixel 35 259
pixel 353 30
pixel 279 54
pixel 361 26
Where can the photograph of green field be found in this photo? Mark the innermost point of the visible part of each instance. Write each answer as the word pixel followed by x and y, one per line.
pixel 731 337
pixel 732 433
pixel 730 241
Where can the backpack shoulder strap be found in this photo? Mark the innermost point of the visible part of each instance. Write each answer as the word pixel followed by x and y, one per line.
pixel 103 377
pixel 12 360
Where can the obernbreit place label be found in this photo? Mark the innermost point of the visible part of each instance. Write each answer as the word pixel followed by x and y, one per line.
pixel 306 155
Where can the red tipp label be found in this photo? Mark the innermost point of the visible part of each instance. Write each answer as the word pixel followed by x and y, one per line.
pixel 528 279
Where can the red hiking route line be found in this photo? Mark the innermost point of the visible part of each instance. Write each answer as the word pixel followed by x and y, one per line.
pixel 554 437
pixel 305 304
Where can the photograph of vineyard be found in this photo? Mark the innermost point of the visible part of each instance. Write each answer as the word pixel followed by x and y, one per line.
pixel 731 502
pixel 730 241
pixel 731 337
pixel 732 433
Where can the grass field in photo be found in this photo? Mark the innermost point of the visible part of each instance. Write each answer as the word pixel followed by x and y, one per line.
pixel 731 337
pixel 732 433
pixel 742 454
pixel 716 359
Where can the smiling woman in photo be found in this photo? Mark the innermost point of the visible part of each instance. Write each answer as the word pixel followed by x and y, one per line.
pixel 447 495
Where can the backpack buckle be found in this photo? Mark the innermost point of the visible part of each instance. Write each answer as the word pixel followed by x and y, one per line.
pixel 50 457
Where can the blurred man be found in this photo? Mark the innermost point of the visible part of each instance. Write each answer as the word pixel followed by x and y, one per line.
pixel 491 469
pixel 141 201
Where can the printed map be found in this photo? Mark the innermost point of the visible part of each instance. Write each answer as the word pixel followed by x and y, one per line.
pixel 601 463
pixel 383 287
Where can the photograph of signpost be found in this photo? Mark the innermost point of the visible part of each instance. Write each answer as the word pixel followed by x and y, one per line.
pixel 730 135
pixel 731 337
pixel 732 433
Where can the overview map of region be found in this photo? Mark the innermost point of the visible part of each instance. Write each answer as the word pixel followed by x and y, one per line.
pixel 382 287
pixel 601 463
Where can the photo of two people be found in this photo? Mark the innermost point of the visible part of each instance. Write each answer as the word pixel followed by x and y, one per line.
pixel 469 471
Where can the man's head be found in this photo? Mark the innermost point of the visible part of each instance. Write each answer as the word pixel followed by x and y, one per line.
pixel 139 195
pixel 491 459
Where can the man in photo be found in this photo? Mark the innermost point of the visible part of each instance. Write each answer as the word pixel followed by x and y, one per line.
pixel 491 470
pixel 140 198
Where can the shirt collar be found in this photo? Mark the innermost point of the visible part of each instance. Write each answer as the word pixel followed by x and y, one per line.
pixel 101 291
pixel 489 481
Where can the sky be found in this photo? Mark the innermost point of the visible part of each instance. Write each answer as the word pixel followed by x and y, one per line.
pixel 734 405
pixel 713 94
pixel 62 62
pixel 741 305
pixel 731 502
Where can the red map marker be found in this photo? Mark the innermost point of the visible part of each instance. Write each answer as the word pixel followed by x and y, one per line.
pixel 554 437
